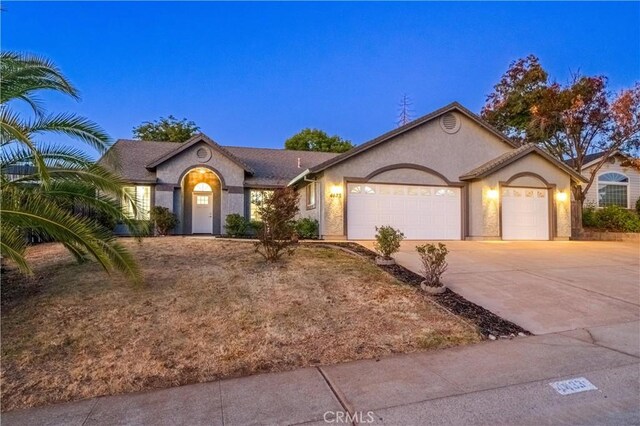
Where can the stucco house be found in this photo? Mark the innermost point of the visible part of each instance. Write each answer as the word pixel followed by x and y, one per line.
pixel 445 176
pixel 616 183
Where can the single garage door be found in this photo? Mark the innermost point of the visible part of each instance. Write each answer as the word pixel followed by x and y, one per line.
pixel 525 214
pixel 420 212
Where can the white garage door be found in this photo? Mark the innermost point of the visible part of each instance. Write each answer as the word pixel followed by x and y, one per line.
pixel 525 214
pixel 420 212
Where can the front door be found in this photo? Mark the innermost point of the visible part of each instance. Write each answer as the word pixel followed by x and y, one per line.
pixel 202 213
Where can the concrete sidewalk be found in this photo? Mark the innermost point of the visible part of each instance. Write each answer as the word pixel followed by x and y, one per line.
pixel 502 382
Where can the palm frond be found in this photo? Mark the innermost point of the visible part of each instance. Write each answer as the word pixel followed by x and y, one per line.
pixel 13 245
pixel 75 127
pixel 23 74
pixel 12 129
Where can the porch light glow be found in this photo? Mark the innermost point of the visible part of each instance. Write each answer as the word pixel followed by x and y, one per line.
pixel 561 196
pixel 492 194
pixel 335 191
pixel 202 170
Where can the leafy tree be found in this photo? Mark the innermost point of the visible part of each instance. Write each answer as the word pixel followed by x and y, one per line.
pixel 569 120
pixel 166 129
pixel 59 179
pixel 317 140
pixel 277 213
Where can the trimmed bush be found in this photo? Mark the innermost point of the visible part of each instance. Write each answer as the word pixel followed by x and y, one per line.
pixel 236 225
pixel 611 218
pixel 388 241
pixel 307 228
pixel 434 262
pixel 276 231
pixel 163 220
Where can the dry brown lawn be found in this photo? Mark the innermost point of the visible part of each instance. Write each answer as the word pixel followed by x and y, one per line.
pixel 209 309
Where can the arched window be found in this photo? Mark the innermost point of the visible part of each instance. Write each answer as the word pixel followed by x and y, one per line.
pixel 202 187
pixel 613 190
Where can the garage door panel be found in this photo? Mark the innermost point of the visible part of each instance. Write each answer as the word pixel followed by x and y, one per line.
pixel 525 214
pixel 420 212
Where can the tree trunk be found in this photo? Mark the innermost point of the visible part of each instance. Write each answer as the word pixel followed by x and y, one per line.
pixel 576 211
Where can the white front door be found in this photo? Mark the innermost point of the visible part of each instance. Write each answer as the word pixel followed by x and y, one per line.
pixel 202 213
pixel 420 212
pixel 525 214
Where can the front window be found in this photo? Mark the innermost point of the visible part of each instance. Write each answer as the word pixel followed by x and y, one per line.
pixel 136 204
pixel 256 198
pixel 613 190
pixel 311 195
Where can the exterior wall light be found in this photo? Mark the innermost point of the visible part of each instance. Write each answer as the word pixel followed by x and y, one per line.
pixel 492 194
pixel 561 196
pixel 335 191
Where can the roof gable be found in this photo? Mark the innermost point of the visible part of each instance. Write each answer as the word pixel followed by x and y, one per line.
pixel 510 157
pixel 200 137
pixel 454 106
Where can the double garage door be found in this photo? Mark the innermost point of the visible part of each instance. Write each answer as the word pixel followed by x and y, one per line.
pixel 420 212
pixel 435 213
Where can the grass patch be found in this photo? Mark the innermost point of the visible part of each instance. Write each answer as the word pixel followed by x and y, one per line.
pixel 208 310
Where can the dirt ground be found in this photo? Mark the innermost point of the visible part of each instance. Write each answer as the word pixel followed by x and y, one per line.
pixel 209 309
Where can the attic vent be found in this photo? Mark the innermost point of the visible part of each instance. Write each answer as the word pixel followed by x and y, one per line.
pixel 203 154
pixel 450 123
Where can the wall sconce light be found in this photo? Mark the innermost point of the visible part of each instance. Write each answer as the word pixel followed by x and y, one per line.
pixel 492 194
pixel 561 196
pixel 335 191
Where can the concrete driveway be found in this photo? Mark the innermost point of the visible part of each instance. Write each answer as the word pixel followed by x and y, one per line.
pixel 546 286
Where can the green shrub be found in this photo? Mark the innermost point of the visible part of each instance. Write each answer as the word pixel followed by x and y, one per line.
pixel 638 206
pixel 307 228
pixel 611 218
pixel 388 241
pixel 614 218
pixel 589 217
pixel 434 262
pixel 163 220
pixel 236 225
pixel 275 233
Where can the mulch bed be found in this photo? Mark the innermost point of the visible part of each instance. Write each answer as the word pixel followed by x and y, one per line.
pixel 487 322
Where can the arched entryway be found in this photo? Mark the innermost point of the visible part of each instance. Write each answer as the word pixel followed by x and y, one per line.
pixel 202 190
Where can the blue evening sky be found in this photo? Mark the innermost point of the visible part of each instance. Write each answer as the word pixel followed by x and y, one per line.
pixel 253 74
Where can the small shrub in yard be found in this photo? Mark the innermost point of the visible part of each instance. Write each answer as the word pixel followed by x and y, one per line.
pixel 434 263
pixel 589 216
pixel 307 228
pixel 277 214
pixel 638 206
pixel 388 241
pixel 611 218
pixel 614 218
pixel 236 225
pixel 163 220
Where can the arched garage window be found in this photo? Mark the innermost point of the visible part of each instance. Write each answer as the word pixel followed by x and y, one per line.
pixel 613 190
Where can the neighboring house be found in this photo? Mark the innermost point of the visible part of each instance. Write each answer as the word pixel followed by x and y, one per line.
pixel 617 182
pixel 445 176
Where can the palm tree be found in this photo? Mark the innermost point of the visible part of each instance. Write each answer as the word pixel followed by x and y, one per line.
pixel 60 179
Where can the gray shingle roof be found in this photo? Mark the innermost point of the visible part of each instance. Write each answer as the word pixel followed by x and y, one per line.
pixel 129 158
pixel 269 166
pixel 511 156
pixel 276 166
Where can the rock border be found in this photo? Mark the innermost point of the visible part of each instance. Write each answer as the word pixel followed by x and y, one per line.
pixel 489 324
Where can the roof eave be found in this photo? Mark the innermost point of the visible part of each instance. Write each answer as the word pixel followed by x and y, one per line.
pixel 299 177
